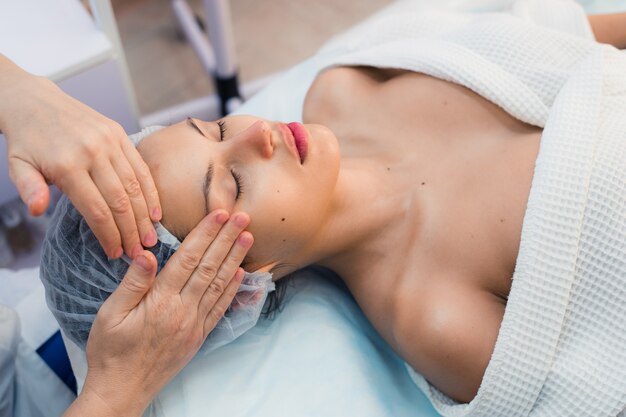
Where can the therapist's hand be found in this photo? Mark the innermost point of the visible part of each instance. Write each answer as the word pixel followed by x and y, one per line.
pixel 148 329
pixel 54 138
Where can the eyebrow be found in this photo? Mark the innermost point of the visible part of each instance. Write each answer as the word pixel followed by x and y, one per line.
pixel 208 176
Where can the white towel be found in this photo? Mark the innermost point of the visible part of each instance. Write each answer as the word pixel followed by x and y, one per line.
pixel 561 349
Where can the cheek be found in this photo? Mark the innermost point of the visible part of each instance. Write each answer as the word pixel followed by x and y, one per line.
pixel 281 225
pixel 286 213
pixel 293 206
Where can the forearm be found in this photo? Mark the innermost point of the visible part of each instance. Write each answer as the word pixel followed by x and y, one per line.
pixel 10 75
pixel 15 84
pixel 10 72
pixel 610 28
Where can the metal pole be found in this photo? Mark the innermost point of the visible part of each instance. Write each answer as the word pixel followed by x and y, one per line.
pixel 219 26
pixel 196 38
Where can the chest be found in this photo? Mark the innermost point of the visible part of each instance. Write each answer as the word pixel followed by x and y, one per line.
pixel 464 166
pixel 465 162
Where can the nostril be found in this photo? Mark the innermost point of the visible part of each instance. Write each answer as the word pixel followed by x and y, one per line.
pixel 264 137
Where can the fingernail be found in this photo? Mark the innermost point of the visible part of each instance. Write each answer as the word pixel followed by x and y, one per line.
pixel 241 220
pixel 118 252
pixel 245 239
pixel 32 202
pixel 136 251
pixel 156 214
pixel 143 262
pixel 150 239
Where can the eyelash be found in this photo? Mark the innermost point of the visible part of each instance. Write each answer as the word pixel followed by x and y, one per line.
pixel 237 177
pixel 239 184
pixel 222 127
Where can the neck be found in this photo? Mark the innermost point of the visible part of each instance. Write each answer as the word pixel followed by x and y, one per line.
pixel 366 206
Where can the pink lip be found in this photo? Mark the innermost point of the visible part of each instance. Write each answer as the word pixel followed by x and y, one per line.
pixel 295 139
pixel 301 138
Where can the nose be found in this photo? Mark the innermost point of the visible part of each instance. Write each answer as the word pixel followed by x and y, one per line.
pixel 255 140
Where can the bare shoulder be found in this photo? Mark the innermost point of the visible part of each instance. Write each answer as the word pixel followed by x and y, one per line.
pixel 342 90
pixel 450 337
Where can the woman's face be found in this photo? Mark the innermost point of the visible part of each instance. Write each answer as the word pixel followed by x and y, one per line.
pixel 248 165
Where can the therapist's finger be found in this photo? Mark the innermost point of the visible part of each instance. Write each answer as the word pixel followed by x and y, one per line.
pixel 218 309
pixel 186 259
pixel 197 287
pixel 109 184
pixel 31 186
pixel 147 234
pixel 89 201
pixel 143 175
pixel 134 286
pixel 206 274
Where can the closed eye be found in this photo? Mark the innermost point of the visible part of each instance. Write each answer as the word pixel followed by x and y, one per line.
pixel 222 125
pixel 239 184
pixel 238 181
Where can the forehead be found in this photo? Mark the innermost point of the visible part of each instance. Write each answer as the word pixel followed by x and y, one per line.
pixel 178 157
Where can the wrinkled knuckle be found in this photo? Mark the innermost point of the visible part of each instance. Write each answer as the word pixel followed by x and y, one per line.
pixel 133 188
pixel 116 130
pixel 207 270
pixel 188 261
pixel 134 285
pixel 91 147
pixel 120 204
pixel 99 213
pixel 217 286
pixel 108 131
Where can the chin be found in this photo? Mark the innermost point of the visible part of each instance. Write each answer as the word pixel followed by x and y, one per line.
pixel 327 143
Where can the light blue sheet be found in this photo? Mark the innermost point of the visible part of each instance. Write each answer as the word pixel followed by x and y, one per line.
pixel 318 357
